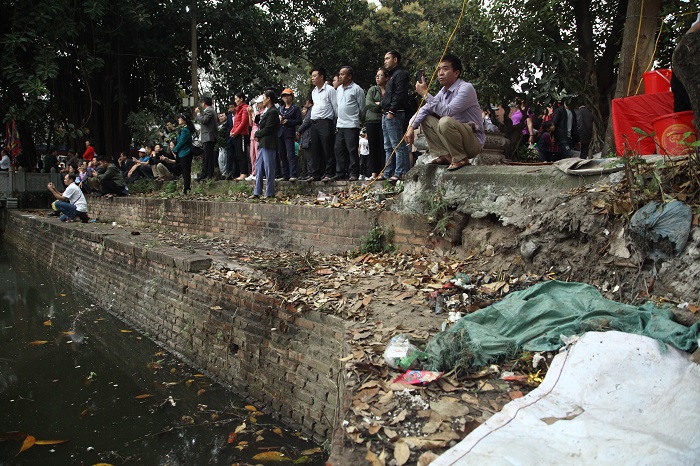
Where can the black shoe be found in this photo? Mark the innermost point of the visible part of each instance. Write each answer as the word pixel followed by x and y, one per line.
pixel 311 179
pixel 338 178
pixel 286 178
pixel 352 178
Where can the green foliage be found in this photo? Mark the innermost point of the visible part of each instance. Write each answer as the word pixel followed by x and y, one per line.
pixel 438 214
pixel 145 127
pixel 377 241
pixel 143 186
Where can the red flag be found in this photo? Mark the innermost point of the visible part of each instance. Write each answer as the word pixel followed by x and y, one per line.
pixel 12 141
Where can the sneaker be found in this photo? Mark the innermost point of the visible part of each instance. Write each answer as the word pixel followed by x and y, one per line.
pixel 292 179
pixel 250 178
pixel 361 178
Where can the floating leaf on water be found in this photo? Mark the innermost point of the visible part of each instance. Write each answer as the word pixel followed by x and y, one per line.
pixel 49 442
pixel 103 464
pixel 301 460
pixel 154 366
pixel 311 451
pixel 278 431
pixel 126 331
pixel 253 419
pixel 251 408
pixel 241 428
pixel 62 295
pixel 259 438
pixel 27 444
pixel 187 420
pixel 231 437
pixel 189 382
pixel 141 397
pixel 84 413
pixel 199 375
pixel 48 323
pixel 68 333
pixel 38 342
pixel 200 391
pixel 271 456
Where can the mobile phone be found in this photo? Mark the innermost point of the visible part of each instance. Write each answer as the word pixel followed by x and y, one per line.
pixel 419 75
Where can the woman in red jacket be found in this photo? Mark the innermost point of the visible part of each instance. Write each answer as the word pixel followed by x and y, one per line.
pixel 240 133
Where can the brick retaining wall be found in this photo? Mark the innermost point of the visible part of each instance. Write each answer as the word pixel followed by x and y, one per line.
pixel 244 339
pixel 290 227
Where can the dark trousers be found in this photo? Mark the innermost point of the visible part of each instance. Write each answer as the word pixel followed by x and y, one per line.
pixel 110 187
pixel 347 162
pixel 375 137
pixel 321 145
pixel 209 161
pixel 237 162
pixel 230 157
pixel 285 152
pixel 186 165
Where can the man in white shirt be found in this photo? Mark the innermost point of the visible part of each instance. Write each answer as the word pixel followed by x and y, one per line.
pixel 351 107
pixel 71 203
pixel 322 134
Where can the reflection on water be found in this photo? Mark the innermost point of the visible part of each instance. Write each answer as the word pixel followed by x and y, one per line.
pixel 70 371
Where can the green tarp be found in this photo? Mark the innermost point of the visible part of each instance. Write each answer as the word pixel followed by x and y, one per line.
pixel 535 318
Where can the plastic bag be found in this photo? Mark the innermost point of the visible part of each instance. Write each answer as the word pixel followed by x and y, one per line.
pixel 400 353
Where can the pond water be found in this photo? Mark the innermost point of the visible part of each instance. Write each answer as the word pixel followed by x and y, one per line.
pixel 71 371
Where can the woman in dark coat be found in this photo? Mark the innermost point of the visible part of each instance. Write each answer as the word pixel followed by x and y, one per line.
pixel 266 136
pixel 183 149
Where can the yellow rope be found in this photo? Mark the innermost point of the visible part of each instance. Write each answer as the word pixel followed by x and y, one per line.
pixel 422 102
pixel 636 44
pixel 656 45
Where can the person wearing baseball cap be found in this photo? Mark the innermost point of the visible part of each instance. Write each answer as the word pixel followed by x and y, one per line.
pixel 290 118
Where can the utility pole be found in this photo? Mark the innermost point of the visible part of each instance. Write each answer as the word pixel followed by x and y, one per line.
pixel 195 89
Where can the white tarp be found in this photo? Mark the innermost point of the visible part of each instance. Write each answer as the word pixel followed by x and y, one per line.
pixel 612 398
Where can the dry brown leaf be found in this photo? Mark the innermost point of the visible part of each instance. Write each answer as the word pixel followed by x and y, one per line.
pixel 390 434
pixel 399 417
pixel 251 408
pixel 38 342
pixel 402 452
pixel 141 397
pixel 373 459
pixel 240 428
pixel 449 408
pixel 426 458
pixel 48 323
pixel 373 429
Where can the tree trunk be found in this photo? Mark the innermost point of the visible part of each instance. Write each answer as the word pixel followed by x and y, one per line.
pixel 686 63
pixel 636 53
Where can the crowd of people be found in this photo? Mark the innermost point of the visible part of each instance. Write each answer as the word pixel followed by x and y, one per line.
pixel 340 133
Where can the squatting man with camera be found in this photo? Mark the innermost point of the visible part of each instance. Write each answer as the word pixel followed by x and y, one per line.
pixel 450 120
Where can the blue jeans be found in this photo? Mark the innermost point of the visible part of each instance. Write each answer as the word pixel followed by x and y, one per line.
pixel 265 166
pixel 67 210
pixel 393 133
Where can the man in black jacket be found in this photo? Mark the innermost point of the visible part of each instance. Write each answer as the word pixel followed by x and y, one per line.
pixel 394 115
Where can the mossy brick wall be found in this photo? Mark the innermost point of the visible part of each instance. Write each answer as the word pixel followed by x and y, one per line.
pixel 246 340
pixel 281 226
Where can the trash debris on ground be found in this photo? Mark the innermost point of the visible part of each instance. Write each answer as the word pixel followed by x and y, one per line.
pixel 414 377
pixel 661 230
pixel 585 409
pixel 400 353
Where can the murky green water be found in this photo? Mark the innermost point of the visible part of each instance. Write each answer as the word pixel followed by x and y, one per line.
pixel 70 371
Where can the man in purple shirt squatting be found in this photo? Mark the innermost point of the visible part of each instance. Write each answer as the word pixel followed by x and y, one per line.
pixel 451 120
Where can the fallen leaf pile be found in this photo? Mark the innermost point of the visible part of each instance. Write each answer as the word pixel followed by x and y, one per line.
pixel 384 295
